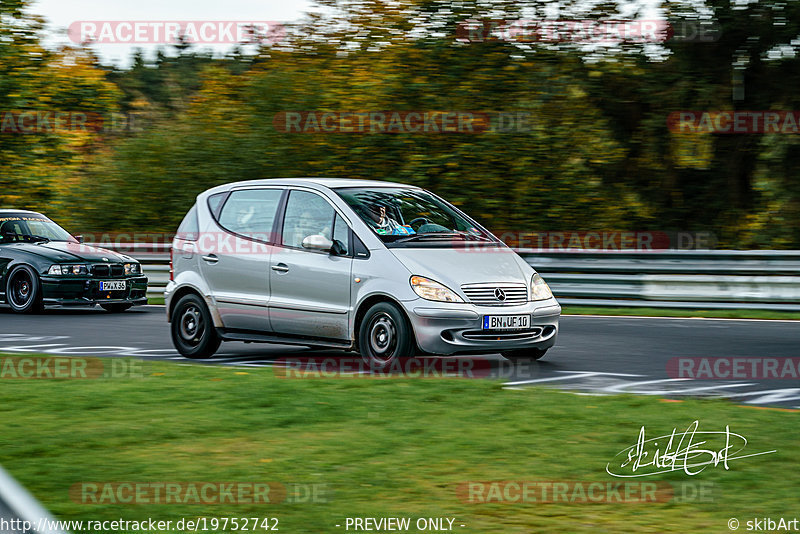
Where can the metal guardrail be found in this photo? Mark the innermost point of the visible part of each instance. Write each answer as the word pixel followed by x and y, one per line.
pixel 747 279
pixel 720 279
pixel 17 505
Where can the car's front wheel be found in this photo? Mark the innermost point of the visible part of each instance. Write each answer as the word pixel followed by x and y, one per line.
pixel 385 336
pixel 23 290
pixel 524 354
pixel 193 332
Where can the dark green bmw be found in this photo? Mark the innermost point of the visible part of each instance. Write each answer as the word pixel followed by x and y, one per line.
pixel 41 264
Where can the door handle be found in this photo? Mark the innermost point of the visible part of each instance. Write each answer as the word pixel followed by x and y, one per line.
pixel 211 258
pixel 281 268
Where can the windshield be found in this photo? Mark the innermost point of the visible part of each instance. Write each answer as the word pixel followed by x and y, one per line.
pixel 31 228
pixel 400 215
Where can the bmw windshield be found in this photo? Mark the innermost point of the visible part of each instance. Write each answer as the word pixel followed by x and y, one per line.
pixel 31 228
pixel 404 215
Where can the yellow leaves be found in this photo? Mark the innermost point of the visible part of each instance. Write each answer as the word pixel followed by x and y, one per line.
pixel 692 151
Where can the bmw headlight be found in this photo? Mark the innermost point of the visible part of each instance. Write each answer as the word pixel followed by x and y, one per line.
pixel 431 290
pixel 66 270
pixel 539 288
pixel 133 268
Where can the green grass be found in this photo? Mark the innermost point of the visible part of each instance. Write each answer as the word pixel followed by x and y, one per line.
pixel 384 447
pixel 155 300
pixel 680 312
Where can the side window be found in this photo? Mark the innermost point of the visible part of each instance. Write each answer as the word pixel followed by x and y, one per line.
pixel 189 228
pixel 360 250
pixel 341 232
pixel 214 202
pixel 306 214
pixel 251 212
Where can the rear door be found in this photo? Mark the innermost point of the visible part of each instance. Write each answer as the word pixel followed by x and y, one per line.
pixel 235 253
pixel 310 290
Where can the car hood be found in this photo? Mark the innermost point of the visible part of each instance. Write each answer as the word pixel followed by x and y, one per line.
pixel 60 252
pixel 454 267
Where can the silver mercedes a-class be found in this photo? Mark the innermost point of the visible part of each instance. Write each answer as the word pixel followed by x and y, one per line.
pixel 387 269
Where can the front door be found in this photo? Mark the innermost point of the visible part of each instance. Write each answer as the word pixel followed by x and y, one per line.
pixel 310 290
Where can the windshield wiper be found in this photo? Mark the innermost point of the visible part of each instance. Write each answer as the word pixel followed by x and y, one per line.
pixel 426 235
pixel 475 237
pixel 38 238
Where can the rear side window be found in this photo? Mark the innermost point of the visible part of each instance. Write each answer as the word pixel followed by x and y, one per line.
pixel 251 212
pixel 214 203
pixel 189 230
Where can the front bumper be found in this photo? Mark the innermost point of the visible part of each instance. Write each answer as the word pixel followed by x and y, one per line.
pixel 445 328
pixel 85 291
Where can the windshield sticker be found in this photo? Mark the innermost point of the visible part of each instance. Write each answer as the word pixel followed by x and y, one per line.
pixel 37 219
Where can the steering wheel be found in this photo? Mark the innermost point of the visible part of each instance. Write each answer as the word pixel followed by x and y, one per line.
pixel 420 220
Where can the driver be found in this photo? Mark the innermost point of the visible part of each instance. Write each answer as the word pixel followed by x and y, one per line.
pixel 387 225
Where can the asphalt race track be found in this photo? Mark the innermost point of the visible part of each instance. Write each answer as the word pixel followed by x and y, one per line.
pixel 594 355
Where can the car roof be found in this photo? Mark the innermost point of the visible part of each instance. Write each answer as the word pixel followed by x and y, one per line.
pixel 331 183
pixel 8 212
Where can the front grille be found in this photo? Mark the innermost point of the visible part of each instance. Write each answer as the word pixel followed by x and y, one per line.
pixel 501 335
pixel 108 269
pixel 496 294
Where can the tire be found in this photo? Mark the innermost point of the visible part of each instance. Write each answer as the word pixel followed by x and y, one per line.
pixel 385 336
pixel 192 329
pixel 524 354
pixel 24 290
pixel 115 308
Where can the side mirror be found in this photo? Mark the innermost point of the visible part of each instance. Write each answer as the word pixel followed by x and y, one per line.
pixel 338 248
pixel 317 242
pixel 79 238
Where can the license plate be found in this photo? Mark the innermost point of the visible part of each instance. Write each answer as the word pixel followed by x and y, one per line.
pixel 114 285
pixel 506 322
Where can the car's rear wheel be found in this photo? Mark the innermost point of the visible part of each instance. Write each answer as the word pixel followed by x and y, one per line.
pixel 23 290
pixel 384 336
pixel 193 332
pixel 524 354
pixel 115 308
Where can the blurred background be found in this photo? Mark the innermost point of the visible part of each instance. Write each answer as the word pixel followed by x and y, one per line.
pixel 597 152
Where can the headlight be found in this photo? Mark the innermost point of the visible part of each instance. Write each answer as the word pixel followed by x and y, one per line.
pixel 430 290
pixel 539 288
pixel 132 268
pixel 64 270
